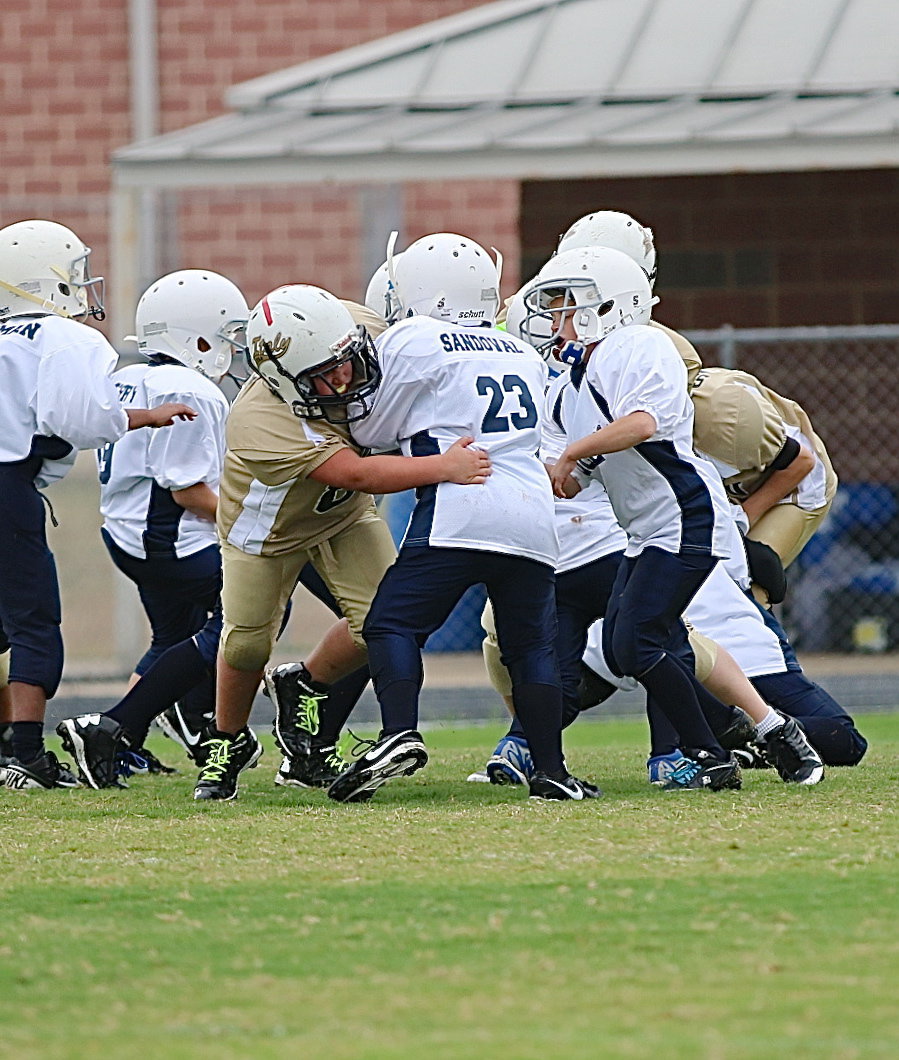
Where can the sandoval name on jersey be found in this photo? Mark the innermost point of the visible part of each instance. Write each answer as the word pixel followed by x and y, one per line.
pixel 442 382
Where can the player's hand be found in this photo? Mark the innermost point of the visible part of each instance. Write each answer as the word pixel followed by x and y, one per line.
pixel 560 476
pixel 465 465
pixel 167 413
pixel 162 416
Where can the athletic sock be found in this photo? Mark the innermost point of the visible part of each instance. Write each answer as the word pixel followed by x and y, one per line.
pixel 399 707
pixel 538 708
pixel 663 737
pixel 343 696
pixel 771 722
pixel 173 675
pixel 674 690
pixel 27 740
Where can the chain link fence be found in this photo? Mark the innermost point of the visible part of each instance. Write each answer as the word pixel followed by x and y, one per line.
pixel 843 591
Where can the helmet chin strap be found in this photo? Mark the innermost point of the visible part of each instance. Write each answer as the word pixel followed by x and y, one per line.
pixel 572 353
pixel 44 303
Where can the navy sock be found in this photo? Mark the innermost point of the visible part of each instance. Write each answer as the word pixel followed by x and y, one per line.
pixel 538 709
pixel 343 695
pixel 674 690
pixel 663 737
pixel 172 676
pixel 399 707
pixel 27 740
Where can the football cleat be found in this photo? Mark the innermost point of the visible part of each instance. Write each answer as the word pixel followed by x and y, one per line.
pixel 477 778
pixel 399 755
pixel 96 742
pixel 752 756
pixel 297 703
pixel 317 769
pixel 794 758
pixel 660 767
pixel 185 729
pixel 144 762
pixel 700 769
pixel 511 762
pixel 46 771
pixel 740 731
pixel 225 756
pixel 561 789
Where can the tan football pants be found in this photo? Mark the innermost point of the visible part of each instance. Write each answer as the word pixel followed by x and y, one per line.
pixel 256 589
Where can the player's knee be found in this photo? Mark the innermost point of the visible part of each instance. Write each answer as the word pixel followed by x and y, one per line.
pixel 4 668
pixel 857 746
pixel 498 674
pixel 247 649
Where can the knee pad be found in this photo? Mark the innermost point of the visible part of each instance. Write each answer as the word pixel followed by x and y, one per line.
pixel 4 668
pixel 498 674
pixel 247 649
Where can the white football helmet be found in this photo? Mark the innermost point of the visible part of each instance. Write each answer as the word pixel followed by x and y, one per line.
pixel 195 316
pixel 447 277
pixel 44 269
pixel 535 328
pixel 600 289
pixel 380 295
pixel 620 231
pixel 299 333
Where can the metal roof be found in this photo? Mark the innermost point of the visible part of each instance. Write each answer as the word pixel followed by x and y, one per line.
pixel 563 88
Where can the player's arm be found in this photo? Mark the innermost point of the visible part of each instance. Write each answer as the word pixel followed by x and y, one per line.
pixel 792 465
pixel 162 416
pixel 198 499
pixel 461 464
pixel 615 437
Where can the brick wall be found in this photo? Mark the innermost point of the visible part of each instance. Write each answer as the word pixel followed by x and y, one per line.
pixel 752 250
pixel 64 82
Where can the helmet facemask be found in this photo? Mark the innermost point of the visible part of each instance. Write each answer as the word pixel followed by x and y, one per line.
pixel 345 404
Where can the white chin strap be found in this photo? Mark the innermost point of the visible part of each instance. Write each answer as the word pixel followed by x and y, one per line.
pixel 44 303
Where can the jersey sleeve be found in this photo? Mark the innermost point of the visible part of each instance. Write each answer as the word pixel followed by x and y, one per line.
pixel 647 376
pixel 188 452
pixel 76 399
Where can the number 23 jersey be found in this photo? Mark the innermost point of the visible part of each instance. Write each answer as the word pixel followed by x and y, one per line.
pixel 441 382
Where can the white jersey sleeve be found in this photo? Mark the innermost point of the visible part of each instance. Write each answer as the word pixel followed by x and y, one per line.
pixel 76 399
pixel 190 451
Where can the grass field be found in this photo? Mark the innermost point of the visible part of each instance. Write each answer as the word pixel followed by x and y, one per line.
pixel 452 920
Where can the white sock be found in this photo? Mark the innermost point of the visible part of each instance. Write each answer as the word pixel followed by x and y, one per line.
pixel 771 721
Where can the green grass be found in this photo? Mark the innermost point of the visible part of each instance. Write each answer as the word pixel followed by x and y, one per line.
pixel 448 920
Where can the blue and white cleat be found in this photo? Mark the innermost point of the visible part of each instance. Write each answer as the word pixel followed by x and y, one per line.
pixel 660 767
pixel 511 762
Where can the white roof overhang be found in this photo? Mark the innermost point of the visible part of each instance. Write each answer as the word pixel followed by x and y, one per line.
pixel 562 88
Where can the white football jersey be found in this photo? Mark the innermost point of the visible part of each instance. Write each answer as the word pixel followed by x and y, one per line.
pixel 138 473
pixel 55 385
pixel 442 382
pixel 586 524
pixel 663 494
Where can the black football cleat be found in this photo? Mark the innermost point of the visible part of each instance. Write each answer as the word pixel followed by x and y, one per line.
pixel 225 756
pixel 399 755
pixel 95 741
pixel 45 771
pixel 701 770
pixel 794 758
pixel 562 789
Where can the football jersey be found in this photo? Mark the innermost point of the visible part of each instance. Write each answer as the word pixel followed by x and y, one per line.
pixel 268 505
pixel 56 395
pixel 743 425
pixel 662 493
pixel 586 524
pixel 441 382
pixel 139 473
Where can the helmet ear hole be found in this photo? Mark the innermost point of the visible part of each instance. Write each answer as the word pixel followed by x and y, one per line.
pixel 64 289
pixel 202 345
